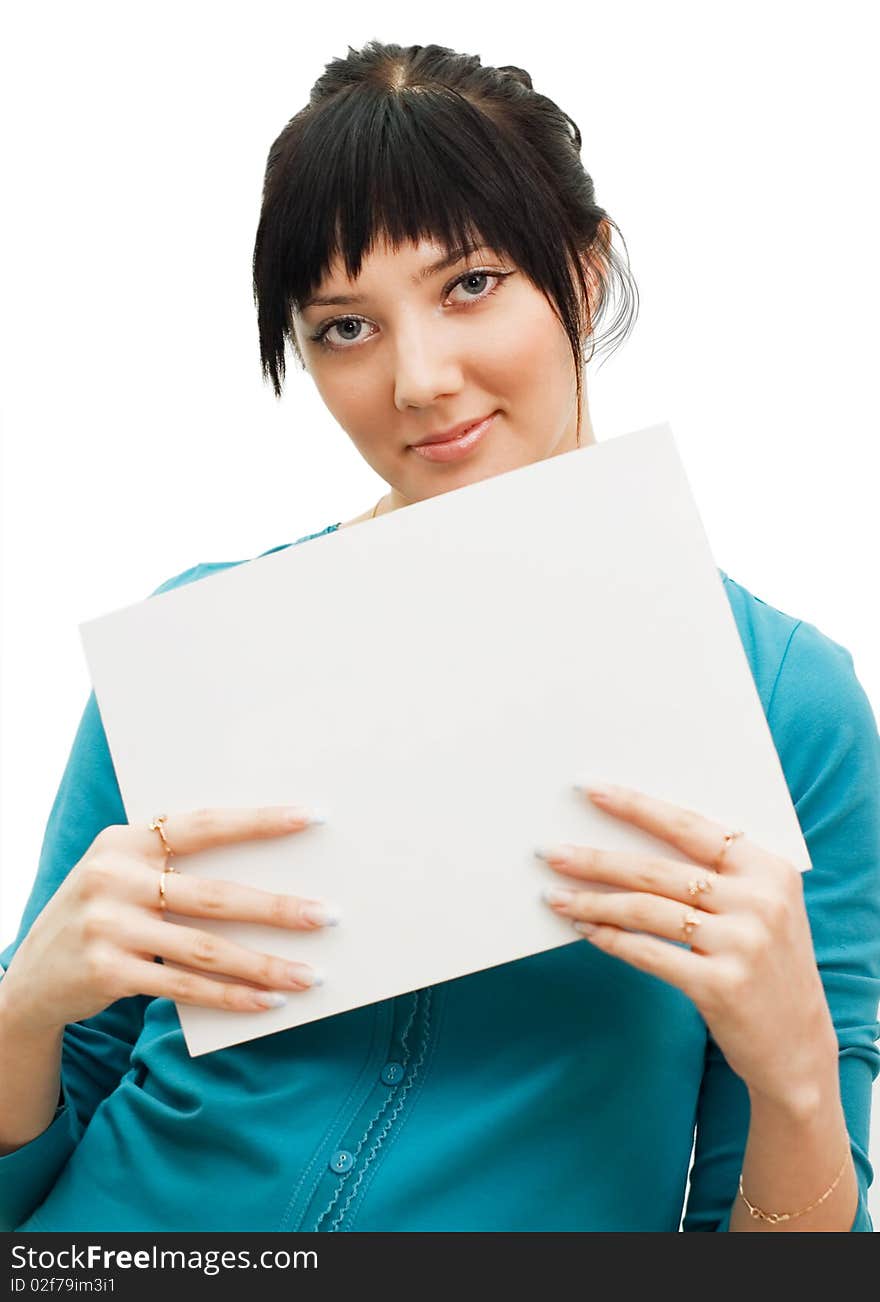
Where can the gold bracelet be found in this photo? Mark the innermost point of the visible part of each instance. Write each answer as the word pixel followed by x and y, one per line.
pixel 775 1217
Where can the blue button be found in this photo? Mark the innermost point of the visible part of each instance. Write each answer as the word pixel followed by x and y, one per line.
pixel 341 1160
pixel 392 1072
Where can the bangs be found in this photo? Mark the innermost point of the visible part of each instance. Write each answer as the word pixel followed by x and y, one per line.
pixel 368 167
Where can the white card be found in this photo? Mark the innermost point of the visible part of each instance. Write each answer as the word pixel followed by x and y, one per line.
pixel 436 679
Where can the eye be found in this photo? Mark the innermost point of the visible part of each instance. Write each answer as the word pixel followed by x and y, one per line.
pixel 344 325
pixel 469 276
pixel 349 326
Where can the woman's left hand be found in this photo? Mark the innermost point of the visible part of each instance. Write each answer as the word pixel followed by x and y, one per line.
pixel 750 966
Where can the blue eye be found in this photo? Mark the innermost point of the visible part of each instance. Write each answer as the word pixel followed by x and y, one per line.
pixel 346 321
pixel 343 322
pixel 472 275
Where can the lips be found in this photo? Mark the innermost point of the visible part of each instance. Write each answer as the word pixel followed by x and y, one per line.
pixel 454 432
pixel 454 449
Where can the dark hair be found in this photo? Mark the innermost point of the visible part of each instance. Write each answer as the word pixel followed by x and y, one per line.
pixel 419 142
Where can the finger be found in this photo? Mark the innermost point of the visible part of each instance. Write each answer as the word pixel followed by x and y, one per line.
pixel 111 869
pixel 671 963
pixel 204 951
pixel 203 829
pixel 685 882
pixel 698 837
pixel 131 879
pixel 203 897
pixel 160 982
pixel 653 914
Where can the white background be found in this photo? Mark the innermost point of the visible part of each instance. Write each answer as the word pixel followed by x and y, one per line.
pixel 732 144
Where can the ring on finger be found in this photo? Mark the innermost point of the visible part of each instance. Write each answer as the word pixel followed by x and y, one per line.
pixel 689 923
pixel 729 838
pixel 698 884
pixel 163 903
pixel 157 826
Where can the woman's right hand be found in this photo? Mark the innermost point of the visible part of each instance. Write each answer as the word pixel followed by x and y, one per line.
pixel 96 939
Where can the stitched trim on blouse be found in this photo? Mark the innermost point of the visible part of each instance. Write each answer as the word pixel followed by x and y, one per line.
pixel 782 661
pixel 390 1122
pixel 439 1006
pixel 376 1118
pixel 316 1158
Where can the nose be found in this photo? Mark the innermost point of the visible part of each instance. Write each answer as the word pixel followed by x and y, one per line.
pixel 424 370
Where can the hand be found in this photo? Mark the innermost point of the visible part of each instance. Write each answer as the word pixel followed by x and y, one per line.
pixel 750 968
pixel 91 943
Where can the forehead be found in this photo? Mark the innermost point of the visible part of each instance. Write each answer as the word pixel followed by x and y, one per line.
pixel 410 255
pixel 412 262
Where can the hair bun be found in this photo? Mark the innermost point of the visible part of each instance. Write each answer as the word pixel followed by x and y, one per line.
pixel 518 74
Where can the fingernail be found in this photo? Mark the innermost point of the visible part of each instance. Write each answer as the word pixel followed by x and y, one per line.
pixel 270 999
pixel 558 853
pixel 305 976
pixel 558 894
pixel 299 816
pixel 596 790
pixel 320 914
pixel 586 928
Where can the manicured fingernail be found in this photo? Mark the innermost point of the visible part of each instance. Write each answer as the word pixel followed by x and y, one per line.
pixel 300 817
pixel 320 914
pixel 270 999
pixel 595 790
pixel 558 894
pixel 585 928
pixel 300 974
pixel 556 853
pixel 305 976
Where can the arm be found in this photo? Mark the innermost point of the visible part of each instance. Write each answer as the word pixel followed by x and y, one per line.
pixel 818 1135
pixel 58 1082
pixel 826 736
pixel 30 1096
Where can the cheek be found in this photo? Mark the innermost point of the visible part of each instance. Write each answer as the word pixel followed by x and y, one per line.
pixel 526 347
pixel 357 399
pixel 347 392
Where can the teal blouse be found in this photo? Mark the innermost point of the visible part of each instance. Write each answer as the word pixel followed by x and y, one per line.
pixel 562 1091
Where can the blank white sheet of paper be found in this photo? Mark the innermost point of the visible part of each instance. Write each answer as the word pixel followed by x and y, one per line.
pixel 436 679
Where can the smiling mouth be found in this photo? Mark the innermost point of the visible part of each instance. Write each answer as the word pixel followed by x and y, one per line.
pixel 456 432
pixel 454 448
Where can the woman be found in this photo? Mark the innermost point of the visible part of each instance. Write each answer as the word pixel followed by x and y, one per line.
pixel 431 248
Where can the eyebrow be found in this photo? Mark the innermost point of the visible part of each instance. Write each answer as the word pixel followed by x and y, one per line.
pixel 345 300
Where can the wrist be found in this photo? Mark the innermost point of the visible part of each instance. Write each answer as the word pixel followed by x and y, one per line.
pixel 803 1099
pixel 17 1024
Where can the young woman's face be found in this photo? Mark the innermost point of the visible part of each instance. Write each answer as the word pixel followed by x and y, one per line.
pixel 415 352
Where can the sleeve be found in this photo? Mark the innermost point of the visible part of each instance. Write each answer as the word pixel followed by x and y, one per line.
pixel 96 1052
pixel 827 740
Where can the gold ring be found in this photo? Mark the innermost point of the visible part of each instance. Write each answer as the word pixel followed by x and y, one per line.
pixel 729 837
pixel 156 826
pixel 699 884
pixel 163 903
pixel 689 923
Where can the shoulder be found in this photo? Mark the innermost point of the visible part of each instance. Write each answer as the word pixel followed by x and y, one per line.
pixel 206 568
pixel 818 711
pixel 765 632
pixel 789 657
